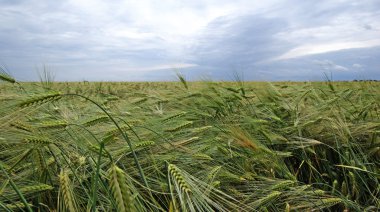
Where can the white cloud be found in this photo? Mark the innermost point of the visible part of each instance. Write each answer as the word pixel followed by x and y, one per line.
pixel 318 48
pixel 173 66
pixel 345 29
pixel 357 66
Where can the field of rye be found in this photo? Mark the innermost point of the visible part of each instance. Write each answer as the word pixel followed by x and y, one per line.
pixel 189 146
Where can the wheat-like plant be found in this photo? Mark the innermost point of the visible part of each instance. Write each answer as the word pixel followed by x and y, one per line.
pixel 66 191
pixel 176 175
pixel 40 99
pixel 217 146
pixel 120 189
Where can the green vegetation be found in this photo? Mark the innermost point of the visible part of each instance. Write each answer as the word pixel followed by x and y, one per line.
pixel 189 146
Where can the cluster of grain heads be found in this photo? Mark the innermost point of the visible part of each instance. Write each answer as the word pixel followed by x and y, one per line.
pixel 120 189
pixel 236 147
pixel 67 200
pixel 190 193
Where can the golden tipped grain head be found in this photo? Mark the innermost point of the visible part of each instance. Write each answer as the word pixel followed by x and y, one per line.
pixel 120 189
pixel 287 207
pixel 179 179
pixel 66 191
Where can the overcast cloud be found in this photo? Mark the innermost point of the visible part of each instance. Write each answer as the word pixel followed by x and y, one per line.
pixel 148 40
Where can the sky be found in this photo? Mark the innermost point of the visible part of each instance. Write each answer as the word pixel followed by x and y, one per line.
pixel 146 40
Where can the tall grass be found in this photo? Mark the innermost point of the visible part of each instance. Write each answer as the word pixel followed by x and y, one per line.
pixel 218 146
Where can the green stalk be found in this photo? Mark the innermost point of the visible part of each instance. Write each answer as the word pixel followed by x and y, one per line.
pixel 4 207
pixel 95 185
pixel 16 189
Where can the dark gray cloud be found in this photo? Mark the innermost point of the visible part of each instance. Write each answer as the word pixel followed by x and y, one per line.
pixel 250 44
pixel 240 40
pixel 236 44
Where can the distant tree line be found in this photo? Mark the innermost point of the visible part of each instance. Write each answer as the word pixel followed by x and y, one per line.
pixel 369 80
